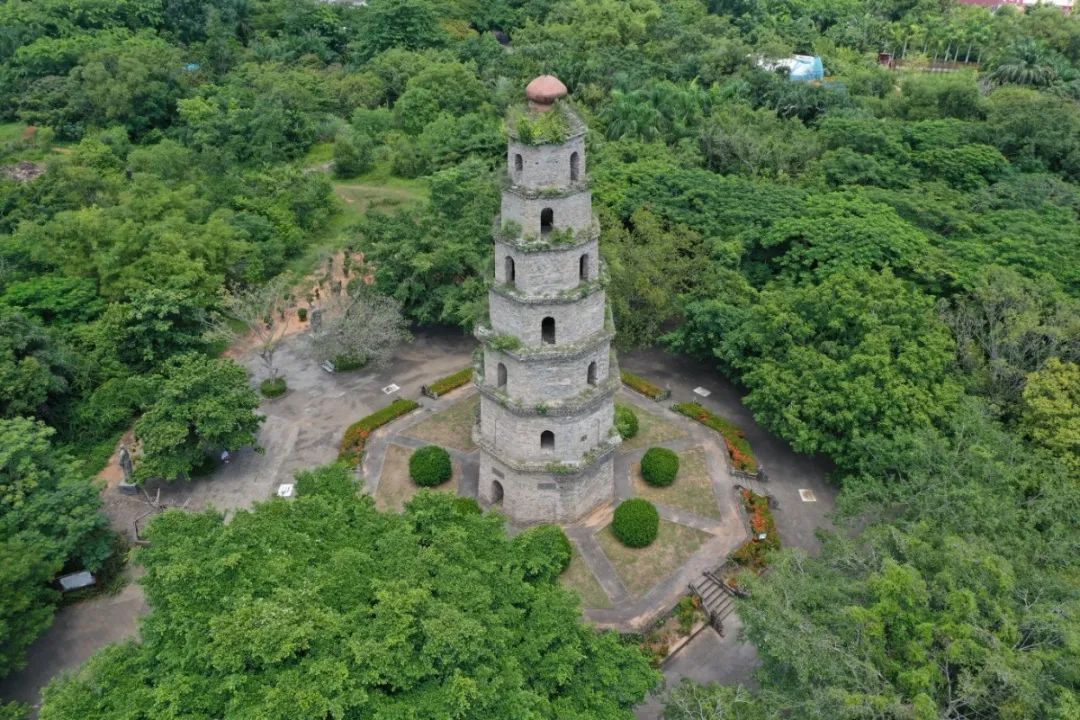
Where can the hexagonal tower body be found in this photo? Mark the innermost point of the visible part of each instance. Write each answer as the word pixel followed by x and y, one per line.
pixel 548 375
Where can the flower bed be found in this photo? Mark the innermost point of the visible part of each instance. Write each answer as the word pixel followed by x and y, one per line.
pixel 738 447
pixel 643 386
pixel 685 620
pixel 752 554
pixel 352 445
pixel 450 382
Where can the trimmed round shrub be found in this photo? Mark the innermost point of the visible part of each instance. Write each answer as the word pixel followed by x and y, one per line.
pixel 430 466
pixel 636 522
pixel 345 363
pixel 659 467
pixel 544 552
pixel 625 422
pixel 273 387
pixel 302 314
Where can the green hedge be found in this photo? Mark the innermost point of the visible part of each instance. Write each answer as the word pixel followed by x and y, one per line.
pixel 352 445
pixel 430 466
pixel 636 523
pixel 450 382
pixel 738 447
pixel 273 387
pixel 643 386
pixel 659 467
pixel 345 363
pixel 626 421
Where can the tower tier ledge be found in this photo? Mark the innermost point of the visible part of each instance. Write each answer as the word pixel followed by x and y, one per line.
pixel 556 468
pixel 579 404
pixel 530 353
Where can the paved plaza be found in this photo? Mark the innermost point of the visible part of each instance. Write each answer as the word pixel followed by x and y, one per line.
pixel 304 427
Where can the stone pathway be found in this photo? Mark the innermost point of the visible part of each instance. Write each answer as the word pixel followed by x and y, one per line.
pixel 636 614
pixel 302 430
pixel 397 433
pixel 729 658
pixel 304 427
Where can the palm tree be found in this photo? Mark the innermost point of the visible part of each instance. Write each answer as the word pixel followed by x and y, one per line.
pixel 631 115
pixel 1023 63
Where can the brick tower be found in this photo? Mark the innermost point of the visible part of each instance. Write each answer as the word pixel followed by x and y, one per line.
pixel 548 375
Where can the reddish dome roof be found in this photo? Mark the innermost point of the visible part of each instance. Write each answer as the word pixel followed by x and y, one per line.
pixel 544 91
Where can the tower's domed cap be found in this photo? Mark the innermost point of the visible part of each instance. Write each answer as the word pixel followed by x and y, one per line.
pixel 544 91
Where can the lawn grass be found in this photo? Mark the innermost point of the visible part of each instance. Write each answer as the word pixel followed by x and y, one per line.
pixel 9 132
pixel 319 153
pixel 579 578
pixel 377 189
pixel 396 487
pixel 692 489
pixel 450 428
pixel 641 568
pixel 652 430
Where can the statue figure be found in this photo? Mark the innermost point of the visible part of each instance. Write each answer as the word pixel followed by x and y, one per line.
pixel 126 464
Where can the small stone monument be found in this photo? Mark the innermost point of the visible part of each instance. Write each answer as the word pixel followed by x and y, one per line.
pixel 128 468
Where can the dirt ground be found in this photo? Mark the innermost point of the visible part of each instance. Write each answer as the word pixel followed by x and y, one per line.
pixel 396 487
pixel 641 568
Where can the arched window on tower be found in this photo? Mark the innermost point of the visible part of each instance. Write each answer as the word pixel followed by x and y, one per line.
pixel 509 270
pixel 583 267
pixel 547 220
pixel 519 164
pixel 500 373
pixel 547 440
pixel 547 330
pixel 575 163
pixel 591 374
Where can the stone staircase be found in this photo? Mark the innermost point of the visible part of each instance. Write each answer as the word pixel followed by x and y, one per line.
pixel 717 599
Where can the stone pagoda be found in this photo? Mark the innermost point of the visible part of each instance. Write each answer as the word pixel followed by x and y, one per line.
pixel 548 375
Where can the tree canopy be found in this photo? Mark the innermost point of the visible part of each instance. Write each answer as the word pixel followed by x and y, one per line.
pixel 324 607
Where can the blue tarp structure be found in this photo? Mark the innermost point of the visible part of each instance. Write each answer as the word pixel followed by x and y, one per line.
pixel 806 67
pixel 802 68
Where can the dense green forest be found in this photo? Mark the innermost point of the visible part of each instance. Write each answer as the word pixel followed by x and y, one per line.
pixel 887 260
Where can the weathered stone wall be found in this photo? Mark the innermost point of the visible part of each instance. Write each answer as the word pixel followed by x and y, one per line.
pixel 533 382
pixel 537 497
pixel 545 166
pixel 573 321
pixel 518 437
pixel 546 273
pixel 548 389
pixel 572 212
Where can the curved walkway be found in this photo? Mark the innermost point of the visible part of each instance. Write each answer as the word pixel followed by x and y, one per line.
pixel 630 614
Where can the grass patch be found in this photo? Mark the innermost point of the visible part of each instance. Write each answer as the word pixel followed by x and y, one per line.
pixel 579 578
pixel 652 430
pixel 319 153
pixel 450 428
pixel 396 487
pixel 377 189
pixel 12 131
pixel 692 489
pixel 641 568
